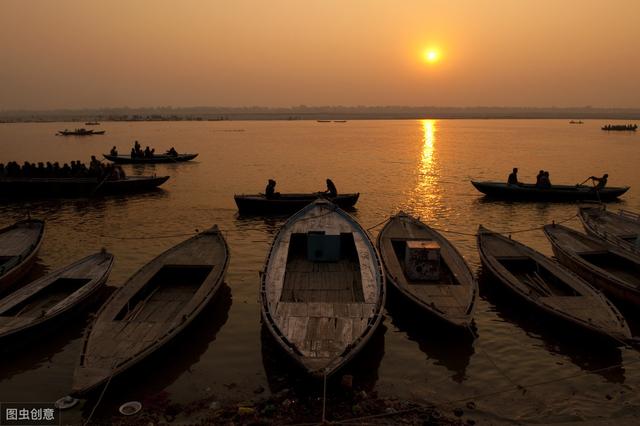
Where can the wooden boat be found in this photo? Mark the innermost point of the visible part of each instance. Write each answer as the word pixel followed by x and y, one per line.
pixel 620 127
pixel 450 293
pixel 549 286
pixel 54 295
pixel 92 123
pixel 555 193
pixel 611 269
pixel 288 203
pixel 19 245
pixel 323 289
pixel 76 187
pixel 620 229
pixel 80 132
pixel 151 308
pixel 127 159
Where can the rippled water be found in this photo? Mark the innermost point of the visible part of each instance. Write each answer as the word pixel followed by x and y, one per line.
pixel 511 371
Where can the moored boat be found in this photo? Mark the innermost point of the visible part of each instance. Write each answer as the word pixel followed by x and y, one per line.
pixel 53 296
pixel 427 269
pixel 127 159
pixel 23 187
pixel 151 308
pixel 554 193
pixel 288 203
pixel 611 269
pixel 19 245
pixel 80 132
pixel 620 127
pixel 549 286
pixel 620 229
pixel 322 289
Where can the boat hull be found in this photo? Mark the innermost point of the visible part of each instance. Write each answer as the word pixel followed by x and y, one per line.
pixel 555 193
pixel 10 276
pixel 75 187
pixel 288 203
pixel 124 159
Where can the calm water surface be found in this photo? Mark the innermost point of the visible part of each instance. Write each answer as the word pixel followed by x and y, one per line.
pixel 422 167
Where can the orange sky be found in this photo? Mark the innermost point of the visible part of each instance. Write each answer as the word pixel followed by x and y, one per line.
pixel 79 53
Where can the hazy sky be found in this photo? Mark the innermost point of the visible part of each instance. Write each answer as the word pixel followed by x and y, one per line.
pixel 94 53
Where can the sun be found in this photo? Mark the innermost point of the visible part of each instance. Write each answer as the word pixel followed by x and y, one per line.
pixel 431 56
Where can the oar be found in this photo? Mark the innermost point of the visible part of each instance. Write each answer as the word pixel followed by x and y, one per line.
pixel 583 182
pixel 99 185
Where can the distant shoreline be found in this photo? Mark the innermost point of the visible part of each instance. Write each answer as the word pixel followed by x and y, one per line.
pixel 314 113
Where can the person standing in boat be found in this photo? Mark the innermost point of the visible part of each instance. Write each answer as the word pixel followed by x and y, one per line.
pixel 331 189
pixel 602 181
pixel 539 177
pixel 513 177
pixel 270 190
pixel 114 151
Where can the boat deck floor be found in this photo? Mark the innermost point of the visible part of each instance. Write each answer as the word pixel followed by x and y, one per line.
pixel 619 267
pixel 12 242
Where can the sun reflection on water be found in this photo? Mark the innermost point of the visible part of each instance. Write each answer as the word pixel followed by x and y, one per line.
pixel 426 194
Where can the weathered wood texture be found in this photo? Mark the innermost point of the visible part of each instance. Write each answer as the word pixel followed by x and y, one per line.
pixel 53 295
pixel 19 245
pixel 613 270
pixel 549 286
pixel 621 229
pixel 452 297
pixel 322 313
pixel 152 307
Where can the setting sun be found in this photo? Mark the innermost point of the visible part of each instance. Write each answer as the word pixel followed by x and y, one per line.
pixel 431 56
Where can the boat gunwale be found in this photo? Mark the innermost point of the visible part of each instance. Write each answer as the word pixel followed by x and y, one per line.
pixel 28 260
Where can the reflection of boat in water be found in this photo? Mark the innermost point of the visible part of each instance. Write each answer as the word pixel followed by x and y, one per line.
pixel 152 308
pixel 549 286
pixel 559 339
pixel 323 289
pixel 554 193
pixel 620 127
pixel 76 187
pixel 427 269
pixel 156 158
pixel 80 132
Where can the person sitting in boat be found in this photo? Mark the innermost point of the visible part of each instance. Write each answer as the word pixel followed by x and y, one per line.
pixel 136 146
pixel 602 181
pixel 270 190
pixel 513 177
pixel 331 189
pixel 147 152
pixel 114 151
pixel 133 153
pixel 172 152
pixel 540 174
pixel 545 182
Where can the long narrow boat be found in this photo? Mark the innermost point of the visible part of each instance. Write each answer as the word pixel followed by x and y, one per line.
pixel 54 295
pixel 157 158
pixel 288 203
pixel 152 308
pixel 611 269
pixel 549 286
pixel 427 269
pixel 76 187
pixel 19 245
pixel 620 229
pixel 323 288
pixel 554 193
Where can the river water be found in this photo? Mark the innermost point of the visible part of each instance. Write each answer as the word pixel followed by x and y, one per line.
pixel 522 367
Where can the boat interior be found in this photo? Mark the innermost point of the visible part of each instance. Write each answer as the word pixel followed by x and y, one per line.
pixel 46 298
pixel 536 276
pixel 322 268
pixel 165 294
pixel 614 264
pixel 445 275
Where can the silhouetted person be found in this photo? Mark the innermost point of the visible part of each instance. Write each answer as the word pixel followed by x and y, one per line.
pixel 172 152
pixel 513 177
pixel 545 182
pixel 602 181
pixel 147 152
pixel 114 151
pixel 540 174
pixel 270 190
pixel 331 189
pixel 133 153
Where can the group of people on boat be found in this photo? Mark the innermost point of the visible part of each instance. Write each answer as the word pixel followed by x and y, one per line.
pixel 76 169
pixel 270 190
pixel 631 127
pixel 138 152
pixel 543 181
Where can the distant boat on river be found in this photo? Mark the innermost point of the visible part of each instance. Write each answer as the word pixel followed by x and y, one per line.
pixel 620 127
pixel 528 191
pixel 80 132
pixel 162 158
pixel 23 187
